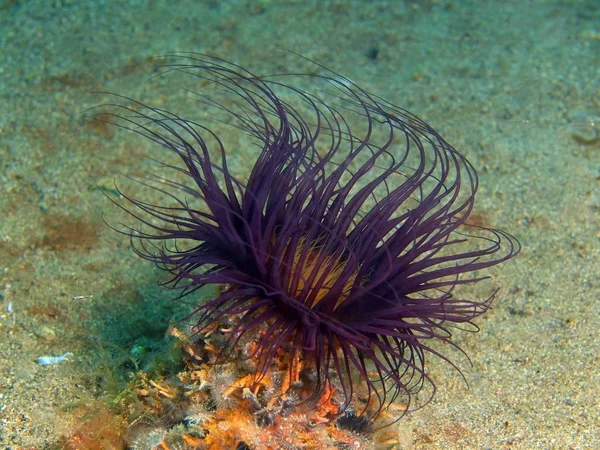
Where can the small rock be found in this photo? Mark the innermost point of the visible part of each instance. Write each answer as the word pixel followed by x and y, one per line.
pixel 46 333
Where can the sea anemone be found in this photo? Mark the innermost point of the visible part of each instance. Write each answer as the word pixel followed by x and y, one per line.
pixel 346 246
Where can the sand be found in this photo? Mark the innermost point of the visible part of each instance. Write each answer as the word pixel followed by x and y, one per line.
pixel 513 85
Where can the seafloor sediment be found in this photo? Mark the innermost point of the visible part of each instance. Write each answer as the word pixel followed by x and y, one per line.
pixel 512 85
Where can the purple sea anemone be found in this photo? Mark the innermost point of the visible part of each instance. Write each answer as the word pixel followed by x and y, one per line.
pixel 346 244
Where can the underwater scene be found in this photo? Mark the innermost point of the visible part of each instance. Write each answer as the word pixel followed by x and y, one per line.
pixel 300 225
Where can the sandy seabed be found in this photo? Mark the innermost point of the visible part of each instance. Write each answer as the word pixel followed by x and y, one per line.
pixel 513 85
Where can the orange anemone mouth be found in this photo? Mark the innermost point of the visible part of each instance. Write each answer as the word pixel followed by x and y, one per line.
pixel 315 273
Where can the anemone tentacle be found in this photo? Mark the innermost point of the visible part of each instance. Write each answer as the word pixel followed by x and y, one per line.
pixel 346 242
